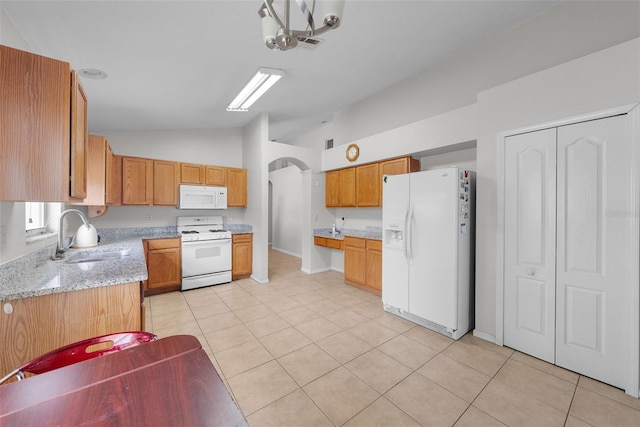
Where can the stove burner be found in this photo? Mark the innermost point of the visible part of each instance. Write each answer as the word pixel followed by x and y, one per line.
pixel 190 232
pixel 216 231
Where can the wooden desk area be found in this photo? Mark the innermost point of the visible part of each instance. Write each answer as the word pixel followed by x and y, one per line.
pixel 166 382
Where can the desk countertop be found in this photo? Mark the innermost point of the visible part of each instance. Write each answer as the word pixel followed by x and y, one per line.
pixel 166 382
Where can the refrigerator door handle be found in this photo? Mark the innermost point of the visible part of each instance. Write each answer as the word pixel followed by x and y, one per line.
pixel 409 234
pixel 406 234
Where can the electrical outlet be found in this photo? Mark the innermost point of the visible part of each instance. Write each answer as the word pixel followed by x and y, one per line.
pixel 149 218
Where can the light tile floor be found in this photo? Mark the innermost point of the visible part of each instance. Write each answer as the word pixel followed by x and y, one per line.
pixel 307 350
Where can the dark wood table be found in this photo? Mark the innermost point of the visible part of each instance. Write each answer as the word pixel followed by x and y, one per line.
pixel 169 382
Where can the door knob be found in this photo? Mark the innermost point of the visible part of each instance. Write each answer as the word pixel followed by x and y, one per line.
pixel 531 272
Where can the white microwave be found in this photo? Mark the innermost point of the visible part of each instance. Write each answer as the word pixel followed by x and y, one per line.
pixel 202 197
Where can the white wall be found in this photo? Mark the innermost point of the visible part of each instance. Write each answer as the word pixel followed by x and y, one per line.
pixel 255 137
pixel 286 213
pixel 221 147
pixel 464 159
pixel 566 32
pixel 212 147
pixel 449 129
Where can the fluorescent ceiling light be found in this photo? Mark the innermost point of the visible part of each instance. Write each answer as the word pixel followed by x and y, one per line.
pixel 259 84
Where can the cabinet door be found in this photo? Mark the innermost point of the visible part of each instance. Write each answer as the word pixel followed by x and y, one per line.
pixel 79 139
pixel 28 331
pixel 191 173
pixel 374 265
pixel 164 267
pixel 216 175
pixel 242 256
pixel 35 106
pixel 397 167
pixel 332 189
pixel 137 181
pixel 114 179
pixel 368 185
pixel 166 178
pixel 355 260
pixel 96 170
pixel 530 234
pixel 236 187
pixel 347 187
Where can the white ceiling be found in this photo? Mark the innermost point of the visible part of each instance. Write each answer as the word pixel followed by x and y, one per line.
pixel 177 64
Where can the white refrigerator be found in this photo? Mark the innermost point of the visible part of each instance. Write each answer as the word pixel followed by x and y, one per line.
pixel 428 249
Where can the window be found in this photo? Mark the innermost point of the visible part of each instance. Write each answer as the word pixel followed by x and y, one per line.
pixel 34 215
pixel 37 216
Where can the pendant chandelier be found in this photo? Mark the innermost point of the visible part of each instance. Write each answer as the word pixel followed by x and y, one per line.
pixel 277 17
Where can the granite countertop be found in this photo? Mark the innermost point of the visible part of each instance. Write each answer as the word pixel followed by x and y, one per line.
pixel 37 274
pixel 374 233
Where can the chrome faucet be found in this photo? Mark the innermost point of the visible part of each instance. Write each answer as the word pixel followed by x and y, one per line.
pixel 60 248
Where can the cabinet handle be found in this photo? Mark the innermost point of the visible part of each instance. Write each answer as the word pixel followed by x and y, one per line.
pixel 531 272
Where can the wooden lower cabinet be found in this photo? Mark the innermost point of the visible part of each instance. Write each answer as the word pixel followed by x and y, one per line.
pixel 164 265
pixel 374 265
pixel 328 242
pixel 363 263
pixel 242 256
pixel 37 325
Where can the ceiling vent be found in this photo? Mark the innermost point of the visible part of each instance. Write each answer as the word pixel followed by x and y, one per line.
pixel 308 42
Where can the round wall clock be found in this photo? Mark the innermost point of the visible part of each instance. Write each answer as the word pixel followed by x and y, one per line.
pixel 352 152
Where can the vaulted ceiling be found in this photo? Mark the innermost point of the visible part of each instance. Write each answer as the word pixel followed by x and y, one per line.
pixel 177 64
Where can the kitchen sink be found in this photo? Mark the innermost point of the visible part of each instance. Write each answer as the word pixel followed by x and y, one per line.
pixel 98 256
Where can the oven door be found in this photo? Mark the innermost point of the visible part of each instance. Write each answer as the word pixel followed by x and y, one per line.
pixel 206 257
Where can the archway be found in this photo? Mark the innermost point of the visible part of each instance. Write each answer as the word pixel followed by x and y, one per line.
pixel 286 205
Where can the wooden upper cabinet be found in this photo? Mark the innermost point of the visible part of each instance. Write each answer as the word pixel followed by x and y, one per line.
pixel 399 166
pixel 79 139
pixel 368 185
pixel 348 187
pixel 137 181
pixel 332 189
pixel 361 186
pixel 96 170
pixel 215 175
pixel 236 187
pixel 192 174
pixel 35 135
pixel 113 189
pixel 166 178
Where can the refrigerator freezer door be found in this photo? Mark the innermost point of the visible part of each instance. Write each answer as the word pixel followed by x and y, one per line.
pixel 433 282
pixel 395 267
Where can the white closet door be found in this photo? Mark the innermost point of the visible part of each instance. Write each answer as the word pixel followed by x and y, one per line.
pixel 593 271
pixel 529 276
